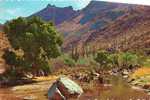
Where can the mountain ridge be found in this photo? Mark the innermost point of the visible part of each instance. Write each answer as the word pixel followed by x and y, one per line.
pixel 56 14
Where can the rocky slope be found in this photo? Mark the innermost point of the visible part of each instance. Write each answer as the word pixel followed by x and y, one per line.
pixel 3 45
pixel 108 25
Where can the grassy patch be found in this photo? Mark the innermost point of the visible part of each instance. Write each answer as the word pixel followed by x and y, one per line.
pixel 144 71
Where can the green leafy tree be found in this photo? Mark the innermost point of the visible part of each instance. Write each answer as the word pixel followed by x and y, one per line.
pixel 103 59
pixel 38 40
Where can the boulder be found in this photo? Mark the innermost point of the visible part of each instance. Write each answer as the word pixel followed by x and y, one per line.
pixel 64 88
pixel 54 93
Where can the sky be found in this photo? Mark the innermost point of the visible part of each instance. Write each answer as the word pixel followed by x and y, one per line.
pixel 10 9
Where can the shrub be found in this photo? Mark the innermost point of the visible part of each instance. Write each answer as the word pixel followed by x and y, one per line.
pixel 68 60
pixel 82 61
pixel 122 59
pixel 129 59
pixel 10 57
pixel 103 59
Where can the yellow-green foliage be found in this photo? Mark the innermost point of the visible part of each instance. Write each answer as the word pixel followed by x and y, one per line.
pixel 109 60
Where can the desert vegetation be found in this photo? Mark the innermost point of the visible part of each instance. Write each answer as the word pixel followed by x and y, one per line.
pixel 106 53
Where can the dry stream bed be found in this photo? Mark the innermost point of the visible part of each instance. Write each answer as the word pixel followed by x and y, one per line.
pixel 118 89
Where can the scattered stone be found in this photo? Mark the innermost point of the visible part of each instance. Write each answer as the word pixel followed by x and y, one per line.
pixel 29 98
pixel 63 89
pixel 96 74
pixel 138 88
pixel 125 72
pixel 108 85
pixel 125 76
pixel 146 86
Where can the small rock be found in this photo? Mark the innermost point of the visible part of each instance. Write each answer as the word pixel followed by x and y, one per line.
pixel 125 72
pixel 29 98
pixel 125 76
pixel 108 85
pixel 146 86
pixel 96 74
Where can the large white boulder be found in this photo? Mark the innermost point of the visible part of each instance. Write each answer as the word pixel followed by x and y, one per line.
pixel 64 88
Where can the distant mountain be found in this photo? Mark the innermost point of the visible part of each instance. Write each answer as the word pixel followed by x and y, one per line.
pixel 56 14
pixel 108 25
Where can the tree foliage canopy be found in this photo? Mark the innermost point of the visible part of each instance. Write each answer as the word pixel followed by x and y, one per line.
pixel 38 40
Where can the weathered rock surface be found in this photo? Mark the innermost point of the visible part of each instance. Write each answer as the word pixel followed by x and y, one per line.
pixel 63 89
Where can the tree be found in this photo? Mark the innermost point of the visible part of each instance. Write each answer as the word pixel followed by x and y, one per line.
pixel 103 59
pixel 38 40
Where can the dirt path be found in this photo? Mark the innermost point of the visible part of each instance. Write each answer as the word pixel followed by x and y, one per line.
pixel 6 94
pixel 35 91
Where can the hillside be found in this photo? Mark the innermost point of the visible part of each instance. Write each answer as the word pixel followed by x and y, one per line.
pixel 4 44
pixel 108 25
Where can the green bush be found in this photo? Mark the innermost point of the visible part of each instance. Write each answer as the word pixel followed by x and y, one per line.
pixel 122 59
pixel 10 57
pixel 129 59
pixel 68 60
pixel 82 61
pixel 103 59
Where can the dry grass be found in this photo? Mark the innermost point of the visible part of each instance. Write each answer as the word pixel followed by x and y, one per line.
pixel 48 78
pixel 144 71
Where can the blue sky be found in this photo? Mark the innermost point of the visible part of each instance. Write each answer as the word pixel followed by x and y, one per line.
pixel 10 9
